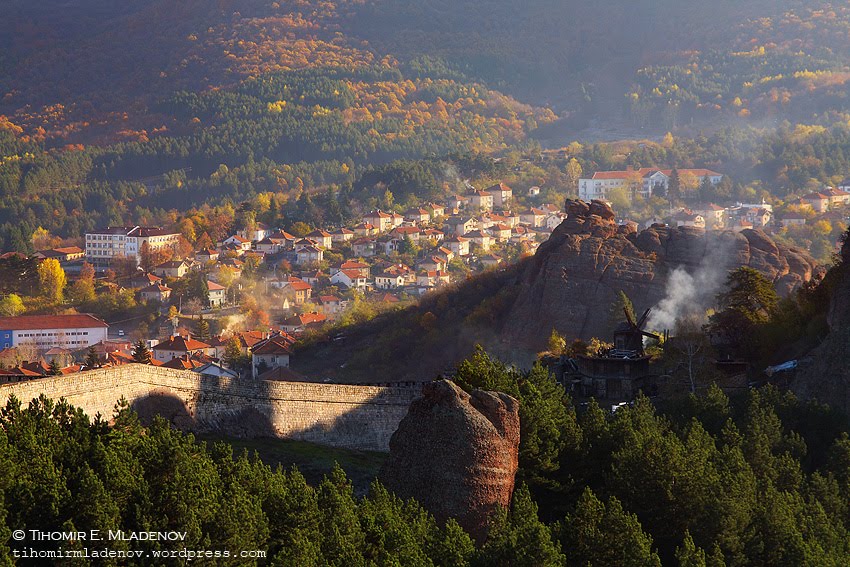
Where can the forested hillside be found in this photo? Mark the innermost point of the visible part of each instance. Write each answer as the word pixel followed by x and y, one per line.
pixel 759 479
pixel 303 111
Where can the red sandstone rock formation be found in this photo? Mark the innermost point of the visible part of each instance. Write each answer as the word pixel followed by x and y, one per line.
pixel 575 276
pixel 456 454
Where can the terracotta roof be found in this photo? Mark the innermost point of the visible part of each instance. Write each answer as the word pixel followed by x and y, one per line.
pixel 815 197
pixel 69 250
pixel 181 344
pixel 27 322
pixel 155 287
pixel 298 284
pixel 183 363
pixel 352 274
pixel 212 286
pixel 273 345
pixel 304 319
pixel 377 214
pixel 406 230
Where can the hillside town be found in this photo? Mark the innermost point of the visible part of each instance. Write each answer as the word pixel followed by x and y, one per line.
pixel 258 290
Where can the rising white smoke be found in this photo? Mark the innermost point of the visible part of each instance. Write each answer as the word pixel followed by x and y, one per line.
pixel 689 295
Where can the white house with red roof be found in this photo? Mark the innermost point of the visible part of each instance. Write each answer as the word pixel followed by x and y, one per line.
pixel 350 279
pixel 417 216
pixel 272 352
pixel 309 254
pixel 458 245
pixel 502 194
pixel 155 292
pixel 481 200
pixel 837 196
pixel 533 217
pixel 480 239
pixel 242 243
pixel 341 235
pixel 322 237
pixel 216 294
pixel 818 201
pixel 379 219
pixel 179 346
pixel 48 331
pixel 644 181
pixel 302 322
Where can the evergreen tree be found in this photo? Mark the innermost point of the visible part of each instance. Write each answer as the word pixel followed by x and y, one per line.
pixel 517 537
pixel 92 359
pixel 55 369
pixel 600 534
pixel 618 309
pixel 689 555
pixel 202 330
pixel 233 357
pixel 141 353
pixel 674 186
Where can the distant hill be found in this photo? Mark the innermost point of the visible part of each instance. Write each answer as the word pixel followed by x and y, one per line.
pixel 98 67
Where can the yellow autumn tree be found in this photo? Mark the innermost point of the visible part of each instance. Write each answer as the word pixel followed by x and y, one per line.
pixel 52 280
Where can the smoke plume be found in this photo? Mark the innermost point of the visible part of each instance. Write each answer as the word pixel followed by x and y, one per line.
pixel 688 295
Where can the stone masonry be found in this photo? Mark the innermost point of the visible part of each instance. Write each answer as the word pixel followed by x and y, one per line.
pixel 354 417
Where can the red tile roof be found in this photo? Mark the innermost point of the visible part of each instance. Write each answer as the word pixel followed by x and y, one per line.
pixel 27 322
pixel 274 345
pixel 181 344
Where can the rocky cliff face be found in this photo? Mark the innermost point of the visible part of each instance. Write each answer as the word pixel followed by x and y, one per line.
pixel 575 276
pixel 456 453
pixel 827 378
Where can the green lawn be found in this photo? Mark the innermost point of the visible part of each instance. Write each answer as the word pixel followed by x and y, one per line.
pixel 314 461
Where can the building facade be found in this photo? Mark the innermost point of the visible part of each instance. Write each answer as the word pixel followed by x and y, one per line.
pixel 44 332
pixel 103 245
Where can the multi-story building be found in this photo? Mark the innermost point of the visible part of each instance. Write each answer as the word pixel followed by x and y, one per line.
pixel 52 331
pixel 643 182
pixel 104 245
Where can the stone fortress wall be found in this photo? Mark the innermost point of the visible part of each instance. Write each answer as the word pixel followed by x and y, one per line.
pixel 354 417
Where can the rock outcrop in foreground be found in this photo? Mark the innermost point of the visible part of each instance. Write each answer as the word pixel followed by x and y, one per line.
pixel 574 276
pixel 827 378
pixel 456 454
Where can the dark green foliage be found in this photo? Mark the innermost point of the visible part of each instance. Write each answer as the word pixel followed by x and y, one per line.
pixel 141 353
pixel 604 534
pixel 64 472
pixel 547 420
pixel 202 330
pixel 760 479
pixel 55 369
pixel 92 359
pixel 518 538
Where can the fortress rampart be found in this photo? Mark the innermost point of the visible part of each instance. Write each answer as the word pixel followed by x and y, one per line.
pixel 355 417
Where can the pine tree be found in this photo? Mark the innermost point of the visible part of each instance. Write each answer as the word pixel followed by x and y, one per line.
pixel 689 555
pixel 674 186
pixel 232 354
pixel 55 369
pixel 518 537
pixel 202 330
pixel 141 353
pixel 92 360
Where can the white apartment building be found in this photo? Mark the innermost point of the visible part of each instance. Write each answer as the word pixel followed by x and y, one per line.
pixel 111 242
pixel 644 181
pixel 48 331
